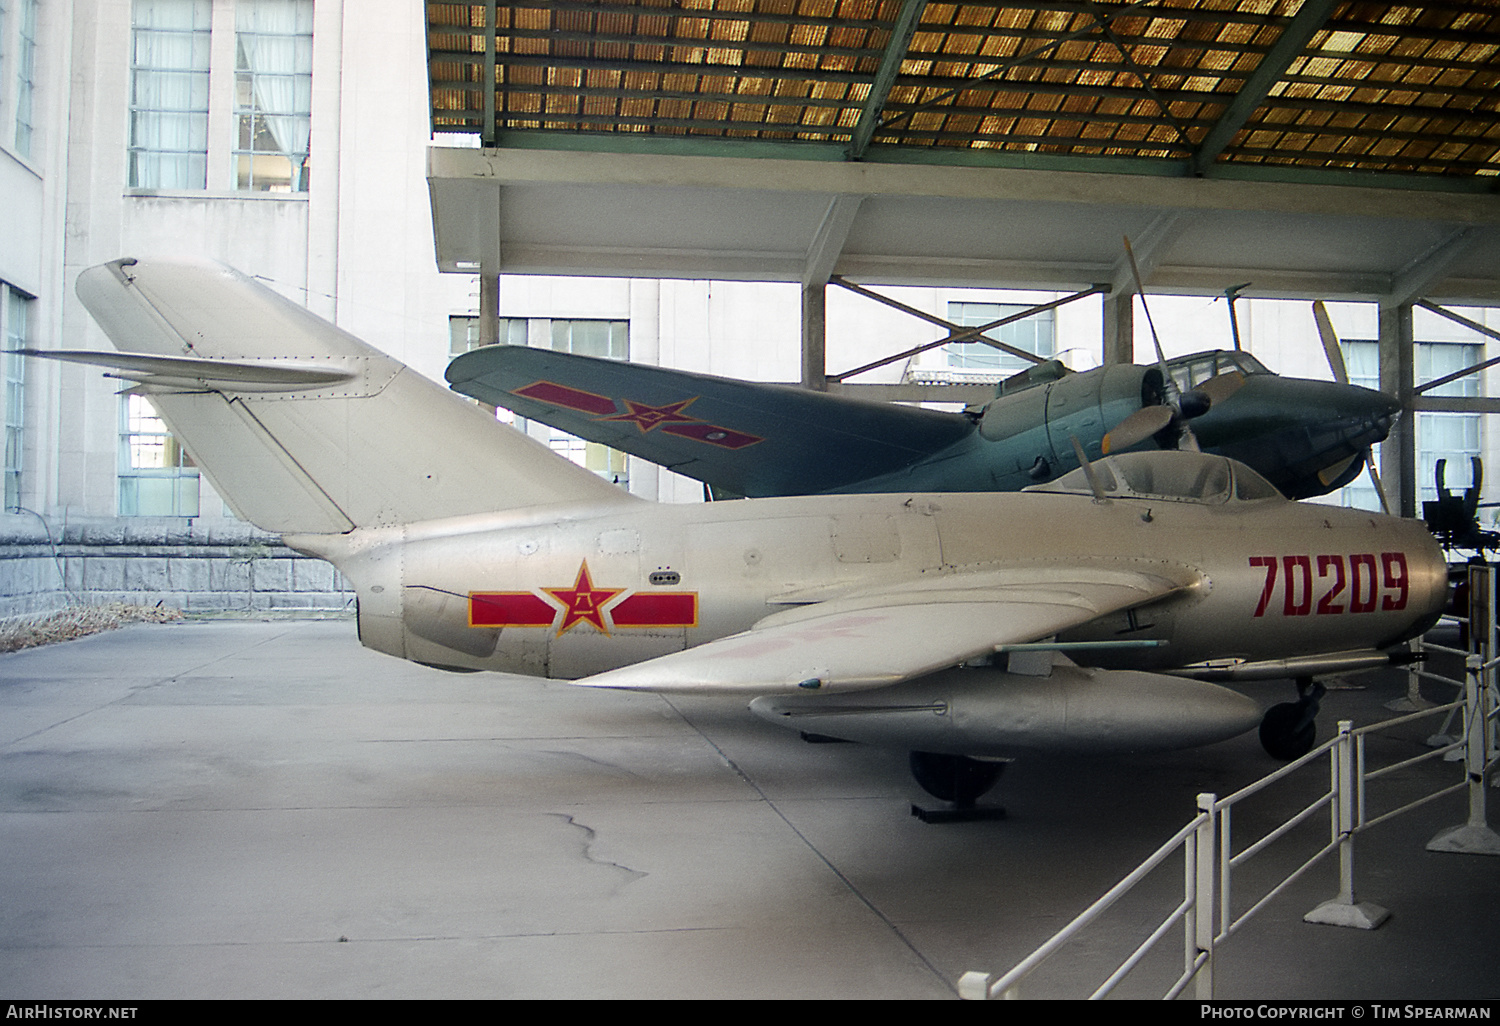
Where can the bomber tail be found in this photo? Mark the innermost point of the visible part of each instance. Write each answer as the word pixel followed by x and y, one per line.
pixel 300 426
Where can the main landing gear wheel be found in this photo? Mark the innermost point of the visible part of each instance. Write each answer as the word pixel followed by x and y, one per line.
pixel 1288 730
pixel 956 779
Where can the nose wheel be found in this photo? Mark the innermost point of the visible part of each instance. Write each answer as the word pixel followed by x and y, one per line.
pixel 1288 730
pixel 958 780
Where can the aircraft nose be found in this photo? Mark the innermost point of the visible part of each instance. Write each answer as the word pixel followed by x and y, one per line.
pixel 1331 401
pixel 1362 416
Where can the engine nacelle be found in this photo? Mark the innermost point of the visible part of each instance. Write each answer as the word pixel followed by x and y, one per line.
pixel 1037 423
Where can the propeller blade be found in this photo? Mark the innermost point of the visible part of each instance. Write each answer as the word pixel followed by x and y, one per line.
pixel 1137 427
pixel 1095 485
pixel 1221 386
pixel 1186 439
pixel 1135 273
pixel 1331 347
pixel 1231 294
pixel 1385 507
pixel 1332 473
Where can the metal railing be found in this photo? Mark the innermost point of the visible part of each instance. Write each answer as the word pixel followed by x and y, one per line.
pixel 1207 842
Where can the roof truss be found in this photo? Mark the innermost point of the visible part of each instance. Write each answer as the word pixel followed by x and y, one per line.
pixel 1278 88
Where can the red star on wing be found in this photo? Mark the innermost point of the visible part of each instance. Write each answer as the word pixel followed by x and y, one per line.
pixel 583 602
pixel 647 417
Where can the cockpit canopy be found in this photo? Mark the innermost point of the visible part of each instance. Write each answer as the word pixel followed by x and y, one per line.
pixel 1191 371
pixel 1170 475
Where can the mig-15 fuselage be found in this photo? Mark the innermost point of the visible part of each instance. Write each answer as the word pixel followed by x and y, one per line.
pixel 1075 615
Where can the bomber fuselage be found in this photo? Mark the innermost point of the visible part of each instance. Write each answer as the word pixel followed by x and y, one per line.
pixel 1301 435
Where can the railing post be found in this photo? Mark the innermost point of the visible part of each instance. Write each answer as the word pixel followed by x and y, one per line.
pixel 1412 701
pixel 1205 871
pixel 1475 837
pixel 1344 910
pixel 1487 668
pixel 974 986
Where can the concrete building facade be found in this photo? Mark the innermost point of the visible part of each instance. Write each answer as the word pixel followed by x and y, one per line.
pixel 172 127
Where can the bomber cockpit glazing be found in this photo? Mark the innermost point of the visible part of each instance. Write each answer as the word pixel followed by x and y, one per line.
pixel 1191 371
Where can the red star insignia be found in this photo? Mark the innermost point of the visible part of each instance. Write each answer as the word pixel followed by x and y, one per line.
pixel 647 417
pixel 583 602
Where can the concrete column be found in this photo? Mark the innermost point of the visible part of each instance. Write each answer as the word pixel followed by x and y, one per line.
pixel 814 336
pixel 646 478
pixel 1398 454
pixel 489 307
pixel 489 314
pixel 1119 328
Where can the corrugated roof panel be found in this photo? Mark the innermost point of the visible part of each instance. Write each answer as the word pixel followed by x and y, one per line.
pixel 1376 87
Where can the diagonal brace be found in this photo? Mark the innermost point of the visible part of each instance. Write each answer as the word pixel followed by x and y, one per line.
pixel 956 333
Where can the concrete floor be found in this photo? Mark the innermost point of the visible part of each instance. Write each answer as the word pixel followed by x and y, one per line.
pixel 265 809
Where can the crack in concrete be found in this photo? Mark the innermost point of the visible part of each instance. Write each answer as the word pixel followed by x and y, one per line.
pixel 589 837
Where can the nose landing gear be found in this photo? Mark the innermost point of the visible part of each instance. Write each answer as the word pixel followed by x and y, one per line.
pixel 1288 730
pixel 958 780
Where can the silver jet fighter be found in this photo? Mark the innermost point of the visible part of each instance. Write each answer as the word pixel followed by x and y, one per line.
pixel 966 627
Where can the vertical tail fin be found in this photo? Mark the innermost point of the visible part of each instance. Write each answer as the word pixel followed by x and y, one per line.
pixel 302 427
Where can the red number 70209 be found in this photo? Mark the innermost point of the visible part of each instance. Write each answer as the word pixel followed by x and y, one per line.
pixel 1331 584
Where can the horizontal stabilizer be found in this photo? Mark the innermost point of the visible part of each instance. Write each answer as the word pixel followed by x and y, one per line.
pixel 240 376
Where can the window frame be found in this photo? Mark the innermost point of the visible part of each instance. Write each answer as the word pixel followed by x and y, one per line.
pixel 185 491
pixel 194 159
pixel 247 154
pixel 977 357
pixel 24 59
pixel 218 117
pixel 14 307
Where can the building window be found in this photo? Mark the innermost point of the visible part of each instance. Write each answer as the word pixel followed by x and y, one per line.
pixel 1454 437
pixel 177 65
pixel 16 309
pixel 157 476
pixel 273 94
pixel 169 94
pixel 608 339
pixel 25 75
pixel 3 54
pixel 463 334
pixel 1035 334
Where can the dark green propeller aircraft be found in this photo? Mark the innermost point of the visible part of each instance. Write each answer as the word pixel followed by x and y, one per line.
pixel 753 439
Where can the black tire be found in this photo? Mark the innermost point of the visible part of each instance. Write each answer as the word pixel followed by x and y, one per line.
pixel 1283 734
pixel 954 778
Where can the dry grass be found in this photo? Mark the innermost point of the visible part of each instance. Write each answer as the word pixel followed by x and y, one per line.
pixel 76 622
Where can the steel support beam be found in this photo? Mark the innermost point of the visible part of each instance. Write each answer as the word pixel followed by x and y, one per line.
pixel 957 334
pixel 490 45
pixel 1150 248
pixel 828 242
pixel 1412 280
pixel 1458 319
pixel 1294 39
pixel 885 76
pixel 1473 326
pixel 822 255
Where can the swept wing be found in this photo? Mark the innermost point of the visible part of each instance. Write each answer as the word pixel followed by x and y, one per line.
pixel 742 437
pixel 882 637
